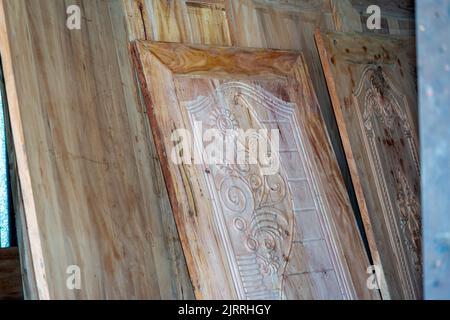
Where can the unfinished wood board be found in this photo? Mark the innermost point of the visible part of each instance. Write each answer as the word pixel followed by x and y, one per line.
pixel 92 194
pixel 10 276
pixel 246 234
pixel 23 243
pixel 372 83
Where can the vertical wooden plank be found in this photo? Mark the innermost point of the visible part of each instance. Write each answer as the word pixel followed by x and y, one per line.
pixel 10 276
pixel 175 283
pixel 168 20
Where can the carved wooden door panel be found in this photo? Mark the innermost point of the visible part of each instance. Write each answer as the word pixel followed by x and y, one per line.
pixel 372 83
pixel 277 226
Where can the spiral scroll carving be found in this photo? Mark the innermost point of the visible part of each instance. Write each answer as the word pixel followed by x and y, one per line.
pixel 255 213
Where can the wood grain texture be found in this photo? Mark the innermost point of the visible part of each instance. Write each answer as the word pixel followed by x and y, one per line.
pixel 329 264
pixel 372 83
pixel 22 159
pixel 91 194
pixel 10 277
pixel 403 9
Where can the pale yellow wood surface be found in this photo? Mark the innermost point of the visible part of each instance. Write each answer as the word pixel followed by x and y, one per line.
pixel 91 194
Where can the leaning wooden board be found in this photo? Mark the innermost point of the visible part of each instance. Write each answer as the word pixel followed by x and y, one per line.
pixel 246 234
pixel 372 83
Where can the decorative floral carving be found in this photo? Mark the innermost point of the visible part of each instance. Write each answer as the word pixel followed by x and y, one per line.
pixel 254 211
pixel 381 102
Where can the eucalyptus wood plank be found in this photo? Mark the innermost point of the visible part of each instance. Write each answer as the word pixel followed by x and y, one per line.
pixel 372 83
